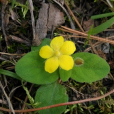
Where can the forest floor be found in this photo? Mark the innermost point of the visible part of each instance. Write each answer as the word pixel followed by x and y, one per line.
pixel 55 18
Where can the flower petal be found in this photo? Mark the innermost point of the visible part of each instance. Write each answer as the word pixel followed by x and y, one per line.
pixel 46 52
pixel 66 62
pixel 57 42
pixel 68 48
pixel 51 64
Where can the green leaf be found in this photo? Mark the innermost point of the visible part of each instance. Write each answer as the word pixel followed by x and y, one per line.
pixel 31 68
pixel 49 95
pixel 64 75
pixel 13 3
pixel 9 73
pixel 45 41
pixel 93 68
pixel 102 15
pixel 103 26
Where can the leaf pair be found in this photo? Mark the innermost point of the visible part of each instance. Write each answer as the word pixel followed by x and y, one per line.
pixel 31 68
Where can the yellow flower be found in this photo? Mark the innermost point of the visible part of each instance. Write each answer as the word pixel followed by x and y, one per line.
pixel 58 54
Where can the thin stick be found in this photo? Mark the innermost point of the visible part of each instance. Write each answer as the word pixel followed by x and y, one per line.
pixel 85 34
pixel 71 22
pixel 95 45
pixel 92 47
pixel 61 104
pixel 109 3
pixel 32 18
pixel 75 18
pixel 111 76
pixel 8 100
pixel 11 54
pixel 3 23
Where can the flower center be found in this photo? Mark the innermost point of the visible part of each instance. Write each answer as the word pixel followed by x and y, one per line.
pixel 57 53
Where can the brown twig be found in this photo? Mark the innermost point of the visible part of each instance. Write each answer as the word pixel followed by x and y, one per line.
pixel 20 40
pixel 26 98
pixel 8 100
pixel 32 18
pixel 66 29
pixel 3 53
pixel 111 76
pixel 3 23
pixel 95 45
pixel 93 48
pixel 71 22
pixel 61 104
pixel 75 18
pixel 77 36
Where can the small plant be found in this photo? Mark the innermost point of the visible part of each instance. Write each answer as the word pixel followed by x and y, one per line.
pixel 53 61
pixel 24 7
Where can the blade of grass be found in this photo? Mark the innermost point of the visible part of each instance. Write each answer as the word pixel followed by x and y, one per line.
pixel 13 3
pixel 102 15
pixel 103 26
pixel 9 73
pixel 89 33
